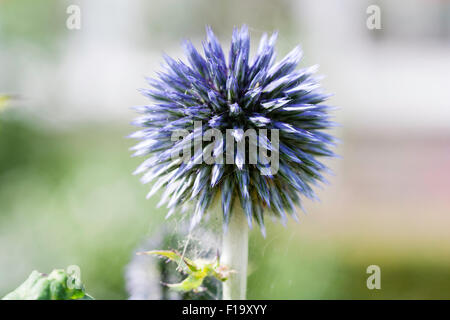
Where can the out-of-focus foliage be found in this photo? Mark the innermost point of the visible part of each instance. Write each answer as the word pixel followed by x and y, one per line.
pixel 4 99
pixel 58 285
pixel 57 184
pixel 54 182
pixel 41 22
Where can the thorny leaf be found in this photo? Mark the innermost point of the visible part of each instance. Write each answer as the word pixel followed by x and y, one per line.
pixel 197 270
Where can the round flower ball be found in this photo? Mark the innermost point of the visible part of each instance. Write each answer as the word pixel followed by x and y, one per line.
pixel 232 96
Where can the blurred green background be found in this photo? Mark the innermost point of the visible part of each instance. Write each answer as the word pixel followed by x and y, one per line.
pixel 67 196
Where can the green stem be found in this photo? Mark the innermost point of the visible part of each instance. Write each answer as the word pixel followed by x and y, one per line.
pixel 235 255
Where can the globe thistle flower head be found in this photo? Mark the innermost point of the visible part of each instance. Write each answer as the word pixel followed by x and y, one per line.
pixel 235 94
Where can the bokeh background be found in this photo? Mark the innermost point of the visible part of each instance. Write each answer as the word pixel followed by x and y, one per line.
pixel 67 196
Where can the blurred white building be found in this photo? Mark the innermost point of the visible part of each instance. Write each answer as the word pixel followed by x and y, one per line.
pixel 396 77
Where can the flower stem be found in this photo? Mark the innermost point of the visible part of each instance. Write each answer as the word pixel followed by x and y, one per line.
pixel 235 255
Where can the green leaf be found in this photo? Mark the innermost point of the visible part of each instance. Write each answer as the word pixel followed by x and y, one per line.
pixel 174 256
pixel 196 270
pixel 58 285
pixel 192 282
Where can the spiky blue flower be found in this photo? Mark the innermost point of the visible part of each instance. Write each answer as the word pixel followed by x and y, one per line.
pixel 235 93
